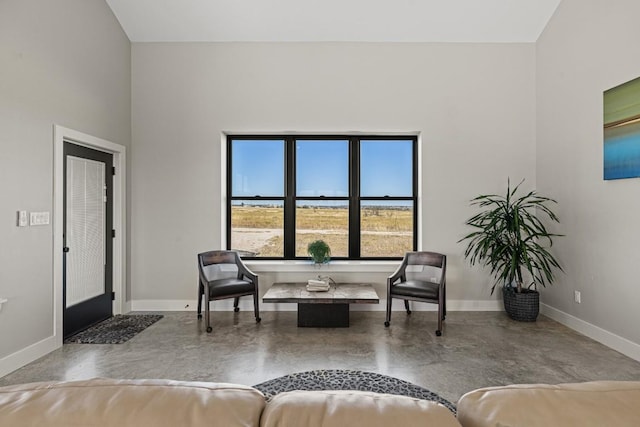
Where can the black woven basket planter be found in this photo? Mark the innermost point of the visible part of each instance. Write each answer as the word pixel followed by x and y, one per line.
pixel 523 306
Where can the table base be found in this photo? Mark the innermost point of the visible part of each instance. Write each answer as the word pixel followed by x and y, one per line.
pixel 323 315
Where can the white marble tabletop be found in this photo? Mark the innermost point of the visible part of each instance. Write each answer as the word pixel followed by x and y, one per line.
pixel 340 293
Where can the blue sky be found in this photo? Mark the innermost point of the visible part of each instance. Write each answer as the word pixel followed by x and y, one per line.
pixel 322 168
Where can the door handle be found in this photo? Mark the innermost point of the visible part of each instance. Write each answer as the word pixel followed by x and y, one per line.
pixel 65 249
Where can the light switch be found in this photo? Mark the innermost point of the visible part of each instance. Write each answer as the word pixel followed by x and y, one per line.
pixel 39 218
pixel 23 220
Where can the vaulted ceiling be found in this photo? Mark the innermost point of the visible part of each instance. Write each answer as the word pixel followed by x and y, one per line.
pixel 500 21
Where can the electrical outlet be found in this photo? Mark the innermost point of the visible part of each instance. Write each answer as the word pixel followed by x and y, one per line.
pixel 577 297
pixel 39 218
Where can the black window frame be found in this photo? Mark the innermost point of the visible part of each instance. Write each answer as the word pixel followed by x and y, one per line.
pixel 354 199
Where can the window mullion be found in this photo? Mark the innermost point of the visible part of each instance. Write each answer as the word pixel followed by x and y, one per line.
pixel 289 199
pixel 354 198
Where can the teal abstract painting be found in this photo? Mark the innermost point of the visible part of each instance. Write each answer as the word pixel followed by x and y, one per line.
pixel 622 131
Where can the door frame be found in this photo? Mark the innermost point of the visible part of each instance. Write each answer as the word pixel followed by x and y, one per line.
pixel 60 136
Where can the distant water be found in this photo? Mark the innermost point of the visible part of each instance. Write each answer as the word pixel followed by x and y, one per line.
pixel 622 152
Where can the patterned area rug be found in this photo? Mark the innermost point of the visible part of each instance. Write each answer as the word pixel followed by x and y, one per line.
pixel 115 330
pixel 348 380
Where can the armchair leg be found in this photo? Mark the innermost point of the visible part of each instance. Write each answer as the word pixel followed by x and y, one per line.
pixel 235 304
pixel 256 307
pixel 440 318
pixel 444 304
pixel 406 306
pixel 388 321
pixel 207 316
pixel 200 295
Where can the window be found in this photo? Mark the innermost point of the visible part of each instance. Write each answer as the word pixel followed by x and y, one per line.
pixel 359 194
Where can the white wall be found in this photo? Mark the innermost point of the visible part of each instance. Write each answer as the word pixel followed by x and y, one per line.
pixel 588 47
pixel 473 104
pixel 66 62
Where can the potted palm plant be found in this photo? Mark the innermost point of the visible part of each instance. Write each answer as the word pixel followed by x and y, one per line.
pixel 319 251
pixel 511 239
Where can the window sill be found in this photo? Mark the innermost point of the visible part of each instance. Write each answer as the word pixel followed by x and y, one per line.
pixel 334 266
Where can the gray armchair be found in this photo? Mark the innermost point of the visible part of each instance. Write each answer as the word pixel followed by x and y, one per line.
pixel 431 288
pixel 222 274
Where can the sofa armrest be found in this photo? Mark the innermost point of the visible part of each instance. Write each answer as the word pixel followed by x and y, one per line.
pixel 353 408
pixel 599 403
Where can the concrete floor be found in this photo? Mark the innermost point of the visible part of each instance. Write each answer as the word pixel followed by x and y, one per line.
pixel 477 349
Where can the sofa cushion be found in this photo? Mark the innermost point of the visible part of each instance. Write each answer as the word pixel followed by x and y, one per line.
pixel 600 403
pixel 353 408
pixel 124 403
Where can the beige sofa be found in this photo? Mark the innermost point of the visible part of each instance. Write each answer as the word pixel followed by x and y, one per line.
pixel 600 403
pixel 159 403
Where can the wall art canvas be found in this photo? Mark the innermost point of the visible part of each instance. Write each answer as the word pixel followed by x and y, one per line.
pixel 622 131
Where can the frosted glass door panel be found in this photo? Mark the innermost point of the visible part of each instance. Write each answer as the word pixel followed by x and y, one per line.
pixel 86 196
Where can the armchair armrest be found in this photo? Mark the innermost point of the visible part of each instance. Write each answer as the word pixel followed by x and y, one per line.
pixel 399 273
pixel 243 270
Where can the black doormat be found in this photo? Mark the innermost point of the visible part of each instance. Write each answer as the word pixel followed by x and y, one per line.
pixel 348 380
pixel 115 330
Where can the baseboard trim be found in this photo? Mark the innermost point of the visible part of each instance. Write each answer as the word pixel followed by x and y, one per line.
pixel 247 304
pixel 27 355
pixel 611 340
pixel 173 305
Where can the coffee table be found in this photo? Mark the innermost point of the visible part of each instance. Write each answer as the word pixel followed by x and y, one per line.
pixel 328 309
